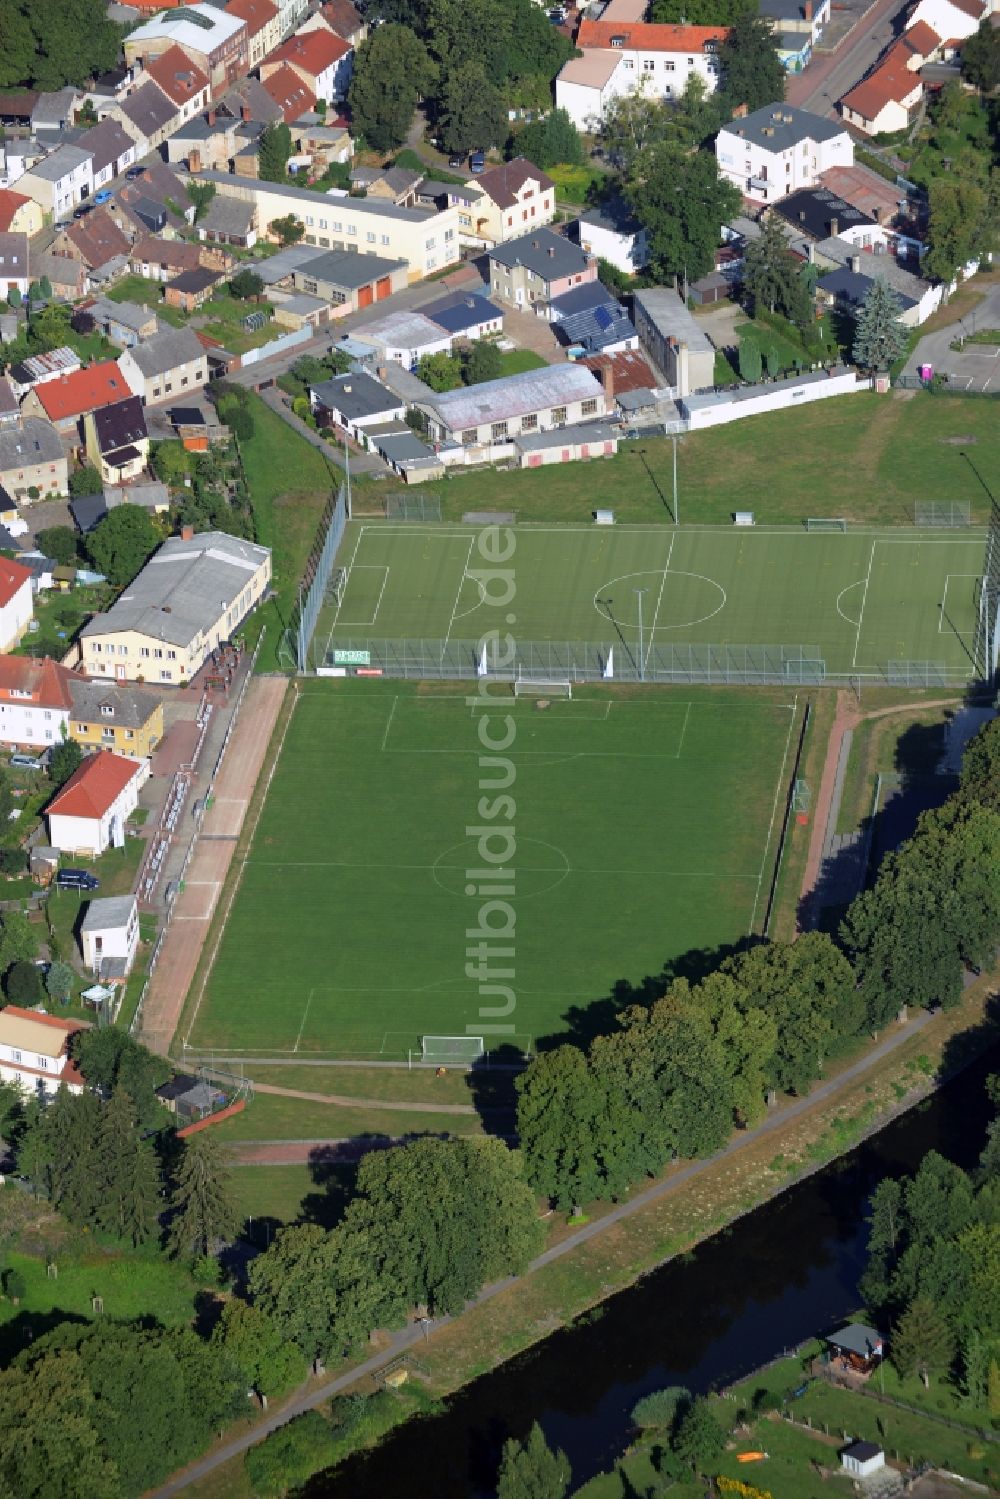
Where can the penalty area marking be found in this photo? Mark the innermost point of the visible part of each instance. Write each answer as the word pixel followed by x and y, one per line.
pixel 943 606
pixel 857 584
pixel 364 624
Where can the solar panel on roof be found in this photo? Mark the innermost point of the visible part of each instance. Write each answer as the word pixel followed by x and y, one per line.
pixel 603 317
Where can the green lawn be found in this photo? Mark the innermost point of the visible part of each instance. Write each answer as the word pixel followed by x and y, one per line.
pixel 573 183
pixel 222 317
pixel 766 337
pixel 147 293
pixel 392 1084
pixel 134 1284
pixel 855 601
pixel 290 484
pixel 59 616
pixel 348 933
pixel 517 361
pixel 272 1117
pixel 865 456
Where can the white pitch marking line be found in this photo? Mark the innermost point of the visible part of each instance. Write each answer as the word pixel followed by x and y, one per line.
pixel 944 601
pixel 305 1015
pixel 392 714
pixel 458 595
pixel 684 729
pixel 864 600
pixel 659 600
pixel 856 584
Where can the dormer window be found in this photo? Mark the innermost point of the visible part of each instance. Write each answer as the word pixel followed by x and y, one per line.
pixel 617 41
pixel 107 711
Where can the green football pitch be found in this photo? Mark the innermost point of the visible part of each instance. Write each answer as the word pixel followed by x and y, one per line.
pixel 857 599
pixel 646 823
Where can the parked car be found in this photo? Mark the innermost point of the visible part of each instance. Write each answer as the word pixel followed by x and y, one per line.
pixel 77 879
pixel 26 762
pixel 456 161
pixel 477 161
pixel 133 173
pixel 83 210
pixel 104 196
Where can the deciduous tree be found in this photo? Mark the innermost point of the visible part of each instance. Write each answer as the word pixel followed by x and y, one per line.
pixel 752 73
pixel 531 1470
pixel 681 200
pixel 471 110
pixel 65 758
pixel 981 58
pixel 392 70
pixel 123 543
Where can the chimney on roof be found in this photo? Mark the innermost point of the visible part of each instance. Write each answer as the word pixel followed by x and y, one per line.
pixel 811 252
pixel 807 10
pixel 187 533
pixel 194 159
pixel 245 111
pixel 608 379
pixel 834 226
pixel 855 262
pixel 211 116
pixel 877 214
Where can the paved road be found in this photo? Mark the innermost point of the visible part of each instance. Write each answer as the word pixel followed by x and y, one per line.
pixel 829 76
pixel 977 366
pixel 412 1336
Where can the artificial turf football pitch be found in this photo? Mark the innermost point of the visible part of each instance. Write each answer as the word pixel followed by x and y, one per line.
pixel 646 823
pixel 856 600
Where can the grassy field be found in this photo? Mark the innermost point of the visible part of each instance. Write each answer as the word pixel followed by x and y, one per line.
pixel 348 933
pixel 853 601
pixel 147 293
pixel 867 457
pixel 273 1117
pixel 517 361
pixel 290 483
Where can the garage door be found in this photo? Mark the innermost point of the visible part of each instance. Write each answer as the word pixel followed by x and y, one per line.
pixel 365 296
pixel 383 289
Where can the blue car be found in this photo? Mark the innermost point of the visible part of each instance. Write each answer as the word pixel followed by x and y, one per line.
pixel 477 161
pixel 104 196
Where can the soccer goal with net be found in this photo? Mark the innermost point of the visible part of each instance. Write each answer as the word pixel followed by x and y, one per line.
pixel 825 523
pixel 451 1051
pixel 536 687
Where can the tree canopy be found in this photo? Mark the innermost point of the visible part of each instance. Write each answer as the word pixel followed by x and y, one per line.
pixel 392 69
pixel 58 43
pixel 879 336
pixel 531 1470
pixel 752 73
pixel 123 543
pixel 548 142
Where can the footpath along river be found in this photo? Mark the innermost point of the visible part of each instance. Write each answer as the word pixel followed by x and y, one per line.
pixel 778 1276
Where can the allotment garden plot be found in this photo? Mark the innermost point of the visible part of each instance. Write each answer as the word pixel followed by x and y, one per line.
pixel 646 824
pixel 860 602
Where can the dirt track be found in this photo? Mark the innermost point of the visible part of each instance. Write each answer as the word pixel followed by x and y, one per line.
pixel 220 829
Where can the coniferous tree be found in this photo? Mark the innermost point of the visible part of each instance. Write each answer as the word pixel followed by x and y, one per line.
pixel 752 72
pixel 879 336
pixel 204 1212
pixel 922 1342
pixel 531 1470
pixel 130 1199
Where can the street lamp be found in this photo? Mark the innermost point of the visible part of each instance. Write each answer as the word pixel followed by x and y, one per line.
pixel 639 593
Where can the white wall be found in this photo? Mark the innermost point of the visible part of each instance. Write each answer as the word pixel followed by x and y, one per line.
pixel 111 942
pixel 628 253
pixel 32 724
pixel 772 398
pixel 740 160
pixel 92 835
pixel 14 617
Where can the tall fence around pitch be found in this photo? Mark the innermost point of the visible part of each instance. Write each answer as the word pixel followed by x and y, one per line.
pixel 317 575
pixel 619 661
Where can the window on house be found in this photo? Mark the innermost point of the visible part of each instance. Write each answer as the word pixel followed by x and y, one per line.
pixel 668 67
pixel 158 655
pixel 498 431
pixel 470 437
pixel 171 655
pixel 629 65
pixel 648 64
pixel 106 709
pixel 559 414
pixel 588 408
pixel 352 228
pixel 43 1062
pixel 144 650
pixel 529 423
pixel 123 650
pixel 370 237
pixel 15 1056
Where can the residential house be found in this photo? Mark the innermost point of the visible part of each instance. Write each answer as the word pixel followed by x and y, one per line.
pixel 66 400
pixel 109 936
pixel 53 112
pixel 613 233
pixel 354 402
pixel 404 338
pixel 394 184
pixel 192 289
pixel 816 213
pixel 952 20
pixel 150 494
pixel 181 81
pixel 148 115
pixel 16 607
pixel 162 191
pixel 88 814
pixel 797 27
pixel 532 271
pixel 32 457
pixel 163 259
pixel 39 369
pixel 903 218
pixel 427 241
pixel 291 13
pixel 93 241
pixel 323 61
pixel 192 595
pixel 60 182
pixel 589 318
pixel 34 1052
pixel 858 1348
pixel 35 702
pixel 566 445
pixel 171 362
pixel 350 282
pixel 889 98
pixel 105 715
pixel 14 275
pixel 112 150
pixel 19 214
pixel 469 316
pixel 778 149
pixel 249 100
pixel 513 199
pixel 18 154
pixel 227 221
pixel 627 57
pixel 263 23
pixel 289 92
pixel 68 278
pixel 848 284
pixel 123 323
pixel 491 414
pixel 214 40
pixel 674 340
pixel 345 21
pixel 117 440
pixel 208 142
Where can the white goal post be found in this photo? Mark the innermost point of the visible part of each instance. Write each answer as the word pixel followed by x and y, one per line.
pixel 451 1051
pixel 826 523
pixel 538 687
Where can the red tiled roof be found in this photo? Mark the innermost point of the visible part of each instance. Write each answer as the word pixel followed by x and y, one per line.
pixel 45 680
pixel 97 238
pixel 9 204
pixel 923 38
pixel 12 579
pixel 892 81
pixel 175 75
pixel 83 390
pixel 639 35
pixel 503 184
pixel 628 367
pixel 68 1027
pixel 972 8
pixel 342 17
pixel 312 51
pixel 95 787
pixel 256 13
pixel 288 91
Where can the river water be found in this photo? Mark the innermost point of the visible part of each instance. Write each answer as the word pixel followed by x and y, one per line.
pixel 778 1276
